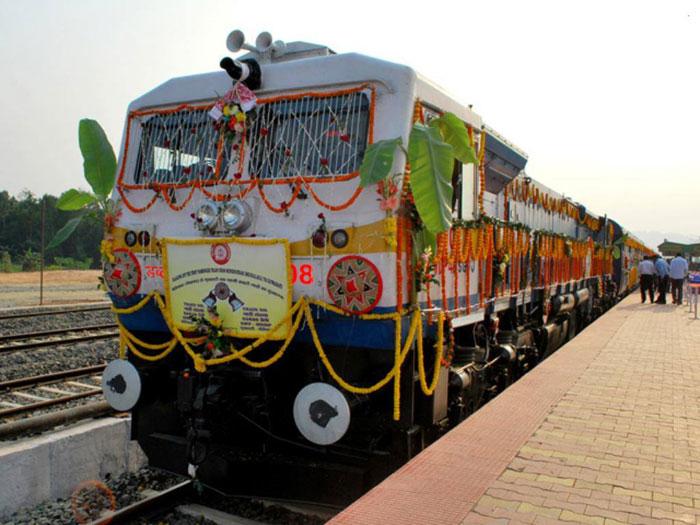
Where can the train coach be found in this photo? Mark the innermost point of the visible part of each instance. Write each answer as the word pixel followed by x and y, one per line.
pixel 322 262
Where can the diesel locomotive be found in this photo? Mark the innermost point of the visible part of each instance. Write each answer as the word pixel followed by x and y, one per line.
pixel 322 262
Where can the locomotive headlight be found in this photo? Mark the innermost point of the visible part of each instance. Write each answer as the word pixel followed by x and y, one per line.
pixel 206 215
pixel 236 215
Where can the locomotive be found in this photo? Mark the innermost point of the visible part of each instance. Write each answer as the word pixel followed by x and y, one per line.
pixel 322 262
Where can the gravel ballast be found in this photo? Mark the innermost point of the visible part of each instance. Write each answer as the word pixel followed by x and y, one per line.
pixel 58 320
pixel 126 489
pixel 24 363
pixel 129 488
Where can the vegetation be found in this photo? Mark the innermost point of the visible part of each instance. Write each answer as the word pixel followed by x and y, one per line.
pixel 20 235
pixel 99 167
pixel 432 151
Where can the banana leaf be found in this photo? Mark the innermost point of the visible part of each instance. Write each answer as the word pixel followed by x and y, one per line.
pixel 432 161
pixel 73 200
pixel 455 134
pixel 377 162
pixel 99 162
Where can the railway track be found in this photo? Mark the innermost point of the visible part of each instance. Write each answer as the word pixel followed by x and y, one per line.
pixel 31 340
pixel 182 498
pixel 153 504
pixel 29 394
pixel 49 311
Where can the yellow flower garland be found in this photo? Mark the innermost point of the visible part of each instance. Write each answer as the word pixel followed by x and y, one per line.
pixel 302 308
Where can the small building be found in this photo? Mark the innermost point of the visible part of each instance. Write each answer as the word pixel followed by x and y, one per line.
pixel 689 251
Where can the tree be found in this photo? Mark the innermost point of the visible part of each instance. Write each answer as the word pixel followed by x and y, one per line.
pixel 20 230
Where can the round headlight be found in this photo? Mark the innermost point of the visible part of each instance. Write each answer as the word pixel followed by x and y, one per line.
pixel 206 215
pixel 237 216
pixel 340 238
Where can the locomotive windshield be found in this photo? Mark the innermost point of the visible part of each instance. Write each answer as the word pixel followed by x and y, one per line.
pixel 176 148
pixel 286 137
pixel 309 136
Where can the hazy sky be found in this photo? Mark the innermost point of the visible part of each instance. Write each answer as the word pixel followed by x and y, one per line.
pixel 603 96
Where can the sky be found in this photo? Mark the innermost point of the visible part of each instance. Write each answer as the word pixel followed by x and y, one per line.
pixel 604 96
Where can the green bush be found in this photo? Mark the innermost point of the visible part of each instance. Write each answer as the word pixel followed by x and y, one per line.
pixel 5 262
pixel 30 261
pixel 70 263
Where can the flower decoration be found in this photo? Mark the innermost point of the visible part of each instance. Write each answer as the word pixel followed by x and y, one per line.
pixel 320 236
pixel 388 191
pixel 501 260
pixel 216 342
pixel 111 217
pixel 230 112
pixel 425 269
pixel 568 248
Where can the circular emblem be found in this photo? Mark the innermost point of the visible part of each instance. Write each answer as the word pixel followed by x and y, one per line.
pixel 222 291
pixel 220 253
pixel 123 276
pixel 321 413
pixel 354 284
pixel 121 385
pixel 130 238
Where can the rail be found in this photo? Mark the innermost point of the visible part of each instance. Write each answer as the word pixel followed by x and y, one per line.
pixel 50 311
pixel 16 342
pixel 35 388
pixel 154 504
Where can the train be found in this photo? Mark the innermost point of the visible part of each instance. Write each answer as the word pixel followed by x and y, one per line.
pixel 320 263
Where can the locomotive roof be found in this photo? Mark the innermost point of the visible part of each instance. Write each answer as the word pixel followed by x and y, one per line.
pixel 317 72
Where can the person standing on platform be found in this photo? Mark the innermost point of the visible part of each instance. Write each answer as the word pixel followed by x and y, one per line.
pixel 662 270
pixel 646 278
pixel 679 269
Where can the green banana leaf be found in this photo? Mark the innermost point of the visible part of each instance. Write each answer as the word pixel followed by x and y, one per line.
pixel 377 162
pixel 455 134
pixel 65 232
pixel 432 161
pixel 73 200
pixel 99 162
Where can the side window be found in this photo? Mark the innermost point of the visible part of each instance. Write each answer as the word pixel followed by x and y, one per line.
pixel 468 193
pixel 457 190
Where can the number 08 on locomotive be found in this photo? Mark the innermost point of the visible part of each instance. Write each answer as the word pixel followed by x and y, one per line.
pixel 322 262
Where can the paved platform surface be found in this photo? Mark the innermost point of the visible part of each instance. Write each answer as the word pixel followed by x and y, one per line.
pixel 605 431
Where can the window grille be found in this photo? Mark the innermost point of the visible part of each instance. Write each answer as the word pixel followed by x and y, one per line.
pixel 313 136
pixel 309 136
pixel 177 148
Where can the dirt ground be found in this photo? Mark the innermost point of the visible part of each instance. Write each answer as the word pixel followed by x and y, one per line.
pixel 60 287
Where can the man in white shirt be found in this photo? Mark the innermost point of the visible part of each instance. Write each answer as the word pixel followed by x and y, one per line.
pixel 679 269
pixel 662 269
pixel 646 278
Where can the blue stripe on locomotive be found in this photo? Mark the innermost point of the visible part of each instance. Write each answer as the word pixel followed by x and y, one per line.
pixel 333 329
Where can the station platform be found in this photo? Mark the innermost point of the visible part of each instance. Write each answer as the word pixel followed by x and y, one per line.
pixel 605 431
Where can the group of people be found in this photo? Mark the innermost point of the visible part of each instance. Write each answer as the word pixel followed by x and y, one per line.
pixel 655 273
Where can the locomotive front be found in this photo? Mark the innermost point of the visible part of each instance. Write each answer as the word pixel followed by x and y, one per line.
pixel 256 283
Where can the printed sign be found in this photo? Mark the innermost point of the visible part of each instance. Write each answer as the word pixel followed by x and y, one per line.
pixel 245 282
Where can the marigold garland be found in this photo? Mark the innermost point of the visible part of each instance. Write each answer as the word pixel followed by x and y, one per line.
pixel 521 190
pixel 301 309
pixel 162 189
pixel 482 170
